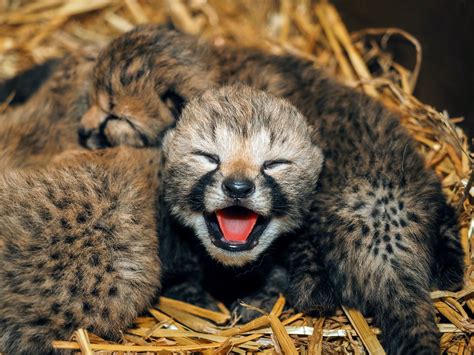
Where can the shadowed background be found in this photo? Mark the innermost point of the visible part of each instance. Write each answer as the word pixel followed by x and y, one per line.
pixel 445 29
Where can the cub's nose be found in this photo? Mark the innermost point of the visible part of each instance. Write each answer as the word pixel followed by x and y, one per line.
pixel 237 188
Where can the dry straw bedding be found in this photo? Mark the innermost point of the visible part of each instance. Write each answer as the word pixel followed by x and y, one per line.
pixel 32 31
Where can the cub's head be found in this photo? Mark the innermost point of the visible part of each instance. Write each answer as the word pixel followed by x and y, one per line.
pixel 141 82
pixel 240 170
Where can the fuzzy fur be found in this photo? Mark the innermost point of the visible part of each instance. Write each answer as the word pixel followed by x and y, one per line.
pixel 380 234
pixel 78 247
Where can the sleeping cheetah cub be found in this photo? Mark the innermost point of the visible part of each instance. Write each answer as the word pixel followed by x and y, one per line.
pixel 379 235
pixel 78 247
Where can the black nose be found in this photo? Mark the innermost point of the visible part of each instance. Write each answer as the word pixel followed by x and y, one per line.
pixel 238 188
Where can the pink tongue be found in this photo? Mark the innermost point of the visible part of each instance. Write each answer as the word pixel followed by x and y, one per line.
pixel 236 223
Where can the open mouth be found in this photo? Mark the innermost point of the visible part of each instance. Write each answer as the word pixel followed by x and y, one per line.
pixel 235 228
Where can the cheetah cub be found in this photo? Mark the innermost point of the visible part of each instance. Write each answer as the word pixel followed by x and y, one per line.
pixel 78 247
pixel 238 180
pixel 379 234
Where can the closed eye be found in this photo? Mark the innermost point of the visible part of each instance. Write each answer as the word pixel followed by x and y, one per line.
pixel 212 158
pixel 270 164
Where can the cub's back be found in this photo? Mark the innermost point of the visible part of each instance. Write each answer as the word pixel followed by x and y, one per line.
pixel 78 247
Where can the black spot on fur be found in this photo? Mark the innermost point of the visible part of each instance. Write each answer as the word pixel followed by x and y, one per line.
pixel 55 308
pixel 94 259
pixel 401 246
pixel 389 248
pixel 86 307
pixel 69 239
pixel 365 230
pixel 375 212
pixel 55 255
pixel 41 322
pixel 81 217
pixel 403 223
pixel 113 291
pixel 62 203
pixel 386 238
pixel 350 227
pixel 73 289
pixel 65 224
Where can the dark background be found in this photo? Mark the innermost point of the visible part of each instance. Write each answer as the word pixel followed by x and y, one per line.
pixel 445 29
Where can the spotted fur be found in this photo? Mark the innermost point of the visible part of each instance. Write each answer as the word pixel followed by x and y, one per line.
pixel 380 234
pixel 46 125
pixel 78 247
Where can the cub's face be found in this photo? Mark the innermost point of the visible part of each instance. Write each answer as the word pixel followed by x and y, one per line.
pixel 240 170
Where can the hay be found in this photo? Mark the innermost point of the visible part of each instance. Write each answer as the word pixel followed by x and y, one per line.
pixel 32 31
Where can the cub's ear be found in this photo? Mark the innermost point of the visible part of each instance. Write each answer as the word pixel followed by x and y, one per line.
pixel 167 139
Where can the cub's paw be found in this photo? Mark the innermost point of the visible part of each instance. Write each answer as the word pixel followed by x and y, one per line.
pixel 261 301
pixel 192 294
pixel 311 296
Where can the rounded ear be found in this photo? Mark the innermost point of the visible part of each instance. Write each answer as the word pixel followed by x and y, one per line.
pixel 167 139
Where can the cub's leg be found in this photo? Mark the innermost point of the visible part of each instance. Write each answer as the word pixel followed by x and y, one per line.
pixel 274 284
pixel 310 288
